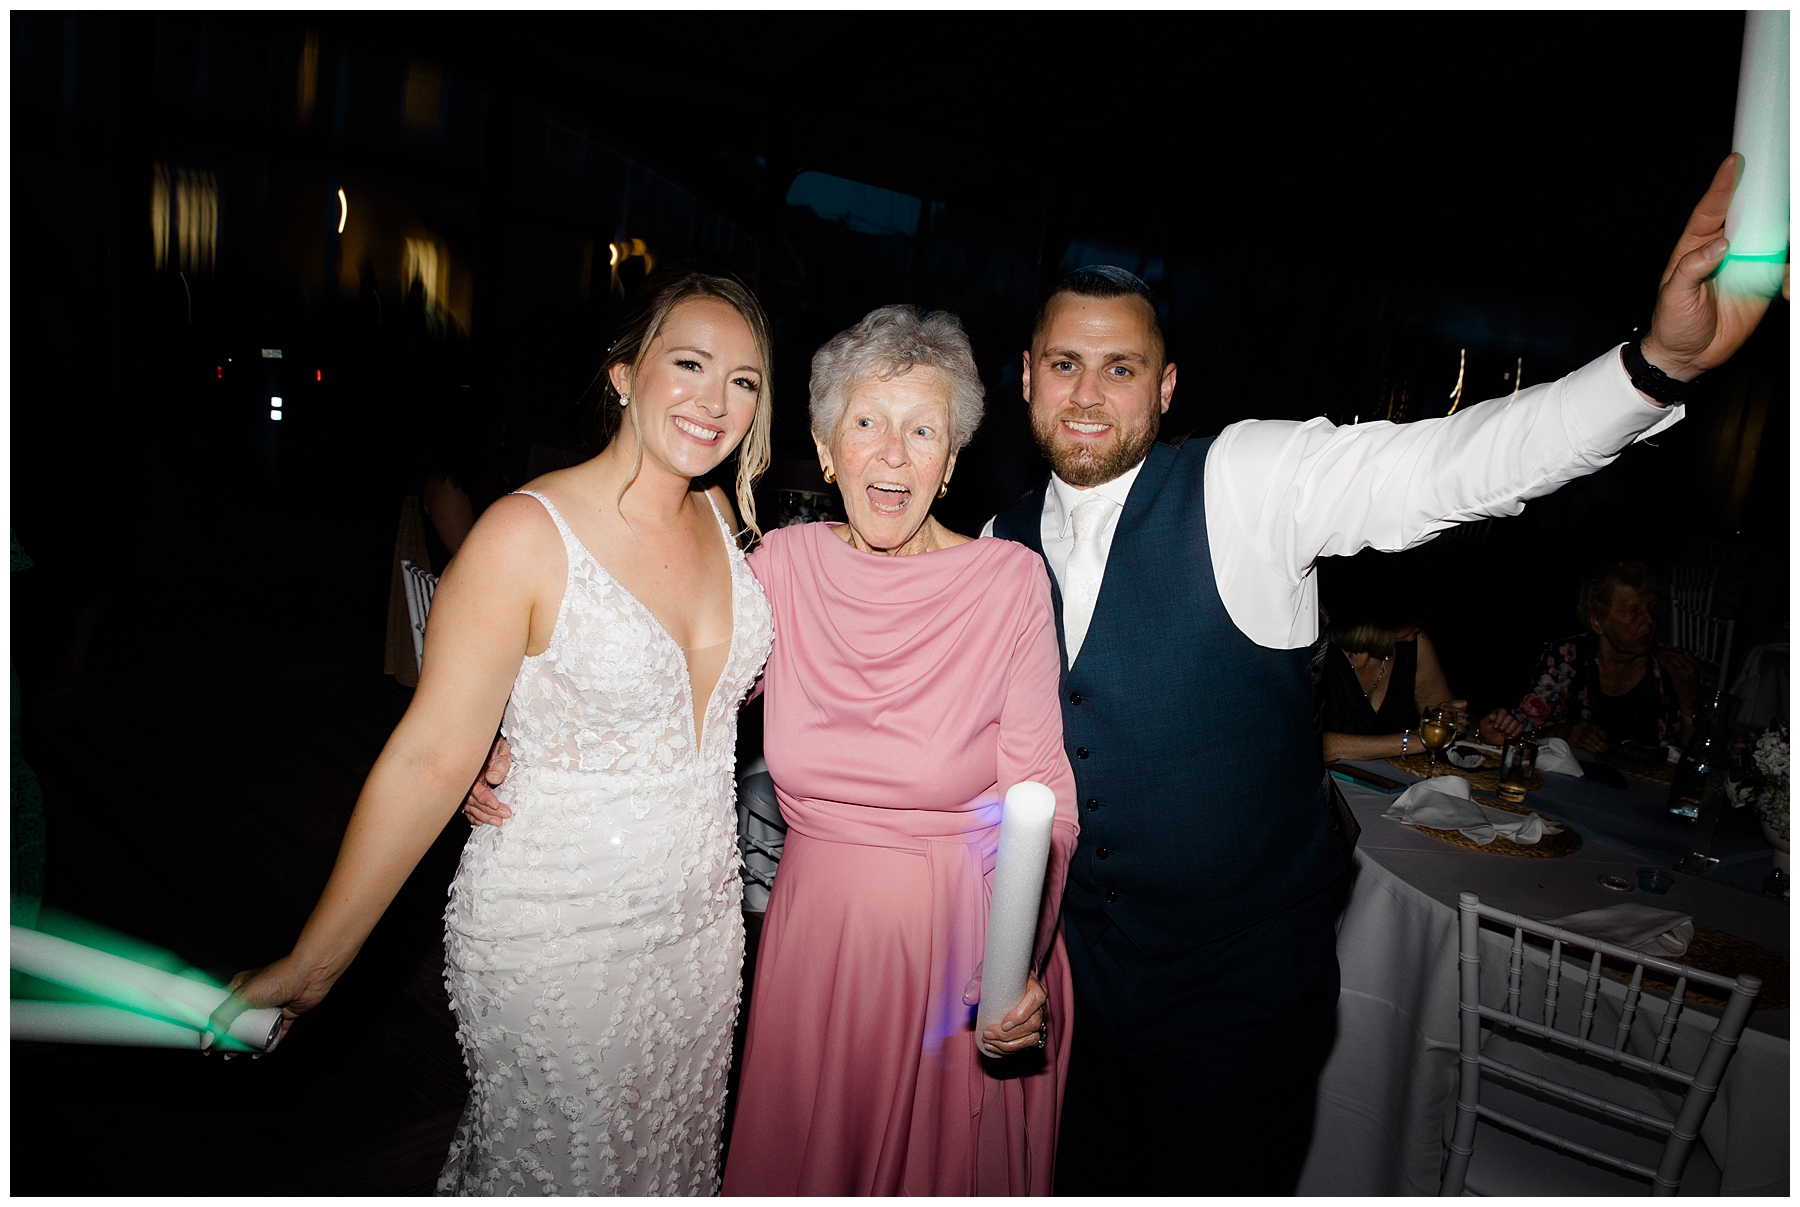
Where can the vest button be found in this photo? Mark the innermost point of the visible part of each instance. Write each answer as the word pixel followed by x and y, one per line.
pixel 1111 897
pixel 1075 697
pixel 1081 752
pixel 1101 853
pixel 1092 804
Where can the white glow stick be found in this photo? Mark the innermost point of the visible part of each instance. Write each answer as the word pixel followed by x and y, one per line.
pixel 137 988
pixel 86 1023
pixel 1018 891
pixel 1757 222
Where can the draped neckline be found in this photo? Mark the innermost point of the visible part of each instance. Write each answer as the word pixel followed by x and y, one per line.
pixel 875 578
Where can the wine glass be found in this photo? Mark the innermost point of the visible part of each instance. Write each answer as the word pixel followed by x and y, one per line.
pixel 1437 730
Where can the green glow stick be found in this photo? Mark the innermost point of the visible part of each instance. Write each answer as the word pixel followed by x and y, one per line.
pixel 86 1023
pixel 138 989
pixel 1757 223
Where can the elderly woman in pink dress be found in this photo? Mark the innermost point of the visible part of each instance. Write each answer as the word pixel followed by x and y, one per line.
pixel 913 680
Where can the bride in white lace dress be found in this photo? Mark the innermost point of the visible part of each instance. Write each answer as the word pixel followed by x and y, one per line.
pixel 593 945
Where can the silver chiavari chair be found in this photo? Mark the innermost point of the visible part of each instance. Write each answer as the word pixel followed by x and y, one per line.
pixel 1707 638
pixel 1697 1088
pixel 420 587
pixel 1692 587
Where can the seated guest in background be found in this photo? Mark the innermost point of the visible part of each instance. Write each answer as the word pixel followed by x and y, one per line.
pixel 1610 683
pixel 1376 683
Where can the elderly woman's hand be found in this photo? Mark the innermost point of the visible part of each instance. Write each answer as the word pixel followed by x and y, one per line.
pixel 1025 1026
pixel 481 806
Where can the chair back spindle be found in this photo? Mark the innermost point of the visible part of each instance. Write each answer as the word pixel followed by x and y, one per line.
pixel 1515 970
pixel 1591 997
pixel 1629 1013
pixel 1552 982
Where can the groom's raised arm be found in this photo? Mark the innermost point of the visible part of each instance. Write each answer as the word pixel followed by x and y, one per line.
pixel 1279 494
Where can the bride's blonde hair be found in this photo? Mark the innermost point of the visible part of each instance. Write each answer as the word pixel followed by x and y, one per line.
pixel 650 308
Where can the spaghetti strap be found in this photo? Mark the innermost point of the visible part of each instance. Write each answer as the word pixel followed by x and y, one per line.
pixel 571 543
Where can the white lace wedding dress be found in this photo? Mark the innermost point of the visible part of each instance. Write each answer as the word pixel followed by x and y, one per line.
pixel 593 943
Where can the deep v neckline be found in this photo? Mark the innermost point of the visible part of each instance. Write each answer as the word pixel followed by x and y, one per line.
pixel 696 728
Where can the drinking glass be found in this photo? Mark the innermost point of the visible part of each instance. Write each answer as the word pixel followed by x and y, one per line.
pixel 1517 760
pixel 1437 730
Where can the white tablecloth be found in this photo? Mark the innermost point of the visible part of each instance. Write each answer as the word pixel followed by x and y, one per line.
pixel 1389 1088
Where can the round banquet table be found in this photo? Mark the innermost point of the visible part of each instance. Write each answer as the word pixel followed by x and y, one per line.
pixel 1388 1090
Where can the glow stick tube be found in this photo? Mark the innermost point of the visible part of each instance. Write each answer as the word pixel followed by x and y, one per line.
pixel 1757 222
pixel 137 988
pixel 85 1023
pixel 1018 891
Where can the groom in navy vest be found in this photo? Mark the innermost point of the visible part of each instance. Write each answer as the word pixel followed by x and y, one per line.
pixel 1198 918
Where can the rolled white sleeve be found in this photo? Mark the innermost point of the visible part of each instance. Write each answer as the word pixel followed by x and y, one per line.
pixel 1280 494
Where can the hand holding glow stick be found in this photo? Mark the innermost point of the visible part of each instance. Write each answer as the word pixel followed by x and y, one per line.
pixel 130 989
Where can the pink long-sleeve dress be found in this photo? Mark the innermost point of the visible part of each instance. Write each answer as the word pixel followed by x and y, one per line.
pixel 904 695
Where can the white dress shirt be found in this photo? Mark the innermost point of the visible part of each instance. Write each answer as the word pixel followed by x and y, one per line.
pixel 1282 493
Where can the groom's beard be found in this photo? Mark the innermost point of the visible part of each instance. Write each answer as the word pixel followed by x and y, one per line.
pixel 1089 462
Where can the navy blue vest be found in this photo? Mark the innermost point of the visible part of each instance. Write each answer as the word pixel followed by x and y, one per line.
pixel 1202 795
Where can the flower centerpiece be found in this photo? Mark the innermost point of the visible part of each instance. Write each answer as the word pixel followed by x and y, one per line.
pixel 1765 785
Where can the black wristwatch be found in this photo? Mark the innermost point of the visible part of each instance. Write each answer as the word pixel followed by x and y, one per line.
pixel 1650 379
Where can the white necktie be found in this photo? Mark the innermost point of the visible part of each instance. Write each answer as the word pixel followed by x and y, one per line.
pixel 1085 569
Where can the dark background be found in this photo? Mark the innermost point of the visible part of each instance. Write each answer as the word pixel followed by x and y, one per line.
pixel 1335 209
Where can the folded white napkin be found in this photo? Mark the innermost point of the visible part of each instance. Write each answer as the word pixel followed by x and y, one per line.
pixel 1555 756
pixel 1444 804
pixel 1660 932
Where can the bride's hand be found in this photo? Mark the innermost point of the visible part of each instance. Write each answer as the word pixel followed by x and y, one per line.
pixel 1023 1027
pixel 282 983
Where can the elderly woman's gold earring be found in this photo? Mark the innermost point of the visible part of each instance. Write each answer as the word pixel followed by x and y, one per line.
pixel 829 475
pixel 943 490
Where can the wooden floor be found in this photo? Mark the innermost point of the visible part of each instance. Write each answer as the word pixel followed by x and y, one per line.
pixel 196 793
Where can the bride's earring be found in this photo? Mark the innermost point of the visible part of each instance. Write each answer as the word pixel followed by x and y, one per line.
pixel 624 401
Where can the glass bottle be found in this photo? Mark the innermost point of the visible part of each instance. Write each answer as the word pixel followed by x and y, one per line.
pixel 1698 791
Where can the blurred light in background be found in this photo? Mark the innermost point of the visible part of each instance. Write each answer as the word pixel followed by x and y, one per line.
pixel 629 249
pixel 184 213
pixel 424 92
pixel 343 210
pixel 275 408
pixel 308 76
pixel 428 264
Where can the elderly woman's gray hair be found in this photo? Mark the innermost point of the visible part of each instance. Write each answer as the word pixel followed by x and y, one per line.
pixel 890 342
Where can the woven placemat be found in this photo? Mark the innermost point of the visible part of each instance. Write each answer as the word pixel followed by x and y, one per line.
pixel 1726 954
pixel 1485 777
pixel 1655 771
pixel 1550 846
pixel 1649 766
